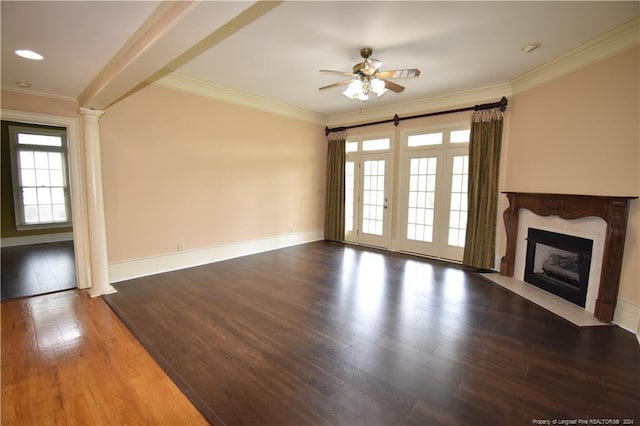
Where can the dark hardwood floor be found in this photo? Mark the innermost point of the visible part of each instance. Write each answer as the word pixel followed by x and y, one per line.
pixel 324 333
pixel 37 269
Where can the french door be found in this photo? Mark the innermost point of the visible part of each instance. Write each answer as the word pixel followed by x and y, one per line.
pixel 368 191
pixel 433 194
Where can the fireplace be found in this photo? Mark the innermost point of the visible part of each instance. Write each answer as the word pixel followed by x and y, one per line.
pixel 613 210
pixel 559 264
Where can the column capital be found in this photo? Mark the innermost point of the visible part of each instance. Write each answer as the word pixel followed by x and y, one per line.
pixel 88 112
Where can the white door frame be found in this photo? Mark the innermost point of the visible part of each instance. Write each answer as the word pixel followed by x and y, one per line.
pixel 444 152
pixel 421 247
pixel 76 184
pixel 359 157
pixel 383 240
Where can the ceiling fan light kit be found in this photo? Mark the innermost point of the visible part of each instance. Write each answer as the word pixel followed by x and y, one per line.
pixel 367 78
pixel 359 89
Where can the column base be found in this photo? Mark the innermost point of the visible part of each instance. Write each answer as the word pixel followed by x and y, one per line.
pixel 100 291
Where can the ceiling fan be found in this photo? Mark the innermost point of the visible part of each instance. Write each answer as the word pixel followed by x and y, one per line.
pixel 367 77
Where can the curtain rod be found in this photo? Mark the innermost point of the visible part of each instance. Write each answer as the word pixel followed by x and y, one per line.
pixel 502 104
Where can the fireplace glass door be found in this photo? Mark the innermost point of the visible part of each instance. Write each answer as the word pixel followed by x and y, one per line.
pixel 559 263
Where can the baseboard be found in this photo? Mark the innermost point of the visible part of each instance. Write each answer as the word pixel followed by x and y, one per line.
pixel 36 239
pixel 121 271
pixel 627 316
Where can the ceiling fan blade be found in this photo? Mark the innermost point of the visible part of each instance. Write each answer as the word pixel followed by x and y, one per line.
pixel 348 74
pixel 405 73
pixel 393 86
pixel 340 83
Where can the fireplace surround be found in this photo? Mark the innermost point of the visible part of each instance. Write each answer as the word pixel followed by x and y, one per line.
pixel 613 210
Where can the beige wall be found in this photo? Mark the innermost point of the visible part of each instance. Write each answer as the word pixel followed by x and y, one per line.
pixel 580 134
pixel 185 169
pixel 20 101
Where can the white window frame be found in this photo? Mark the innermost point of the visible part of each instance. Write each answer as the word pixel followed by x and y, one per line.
pixel 14 130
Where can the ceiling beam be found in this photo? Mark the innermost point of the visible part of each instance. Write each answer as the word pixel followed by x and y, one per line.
pixel 236 24
pixel 163 18
pixel 173 35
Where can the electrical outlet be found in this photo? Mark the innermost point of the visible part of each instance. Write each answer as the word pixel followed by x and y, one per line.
pixel 180 246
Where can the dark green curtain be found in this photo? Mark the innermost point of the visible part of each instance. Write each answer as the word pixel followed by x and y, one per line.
pixel 484 168
pixel 334 216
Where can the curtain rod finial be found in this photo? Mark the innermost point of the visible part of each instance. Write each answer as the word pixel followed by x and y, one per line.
pixel 503 104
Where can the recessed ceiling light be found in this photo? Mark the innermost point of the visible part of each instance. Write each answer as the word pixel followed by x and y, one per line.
pixel 530 47
pixel 23 84
pixel 29 54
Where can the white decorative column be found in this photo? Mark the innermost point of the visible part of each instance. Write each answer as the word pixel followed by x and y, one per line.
pixel 95 204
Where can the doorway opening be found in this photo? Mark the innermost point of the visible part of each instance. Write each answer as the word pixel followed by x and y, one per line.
pixel 38 253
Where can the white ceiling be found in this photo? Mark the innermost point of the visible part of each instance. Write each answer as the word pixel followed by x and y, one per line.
pixel 77 39
pixel 277 53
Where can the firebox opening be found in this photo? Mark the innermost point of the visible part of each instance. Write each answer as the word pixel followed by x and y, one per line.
pixel 559 263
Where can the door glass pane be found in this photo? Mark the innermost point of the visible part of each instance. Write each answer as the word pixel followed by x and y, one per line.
pixel 349 194
pixel 422 185
pixel 376 144
pixel 373 197
pixel 425 140
pixel 460 136
pixel 458 207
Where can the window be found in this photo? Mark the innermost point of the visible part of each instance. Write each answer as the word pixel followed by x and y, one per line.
pixel 40 179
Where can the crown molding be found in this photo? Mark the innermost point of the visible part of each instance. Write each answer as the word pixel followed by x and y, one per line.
pixel 40 94
pixel 205 88
pixel 457 99
pixel 608 44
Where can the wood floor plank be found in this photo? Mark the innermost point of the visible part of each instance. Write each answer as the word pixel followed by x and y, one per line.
pixel 37 269
pixel 326 333
pixel 68 360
